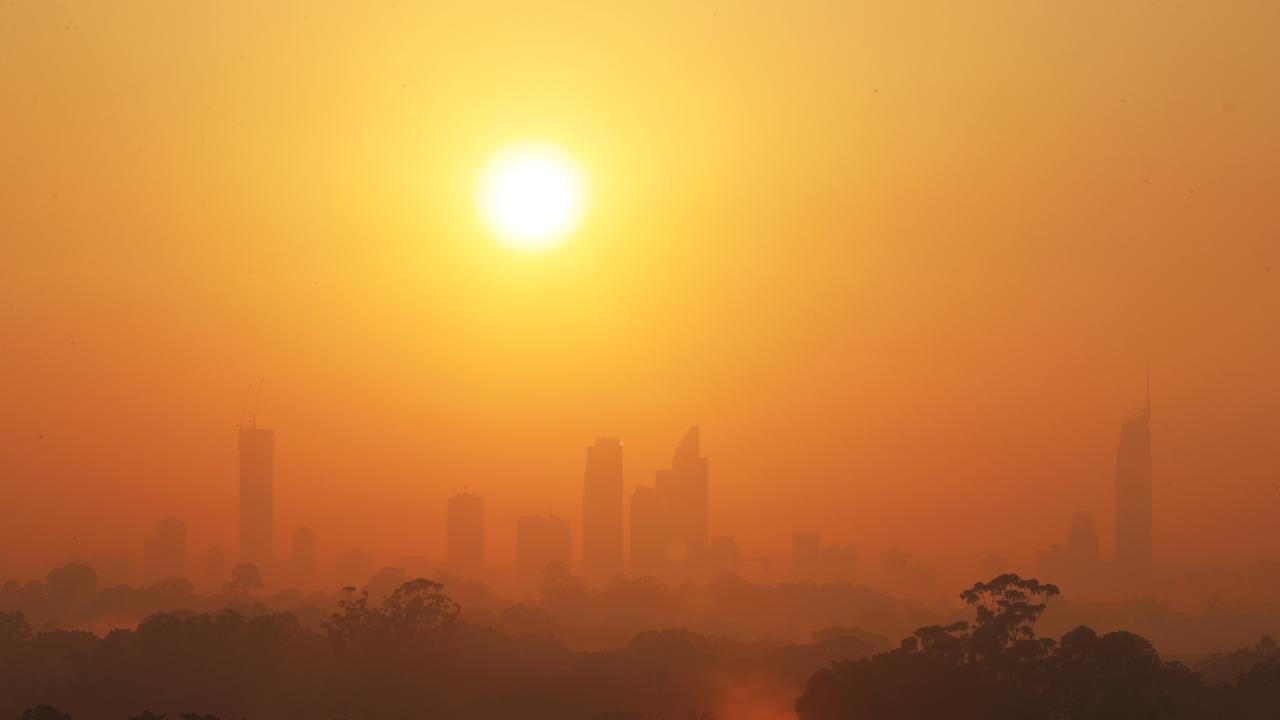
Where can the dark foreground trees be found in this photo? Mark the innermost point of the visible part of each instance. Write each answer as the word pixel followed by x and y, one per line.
pixel 996 667
pixel 411 655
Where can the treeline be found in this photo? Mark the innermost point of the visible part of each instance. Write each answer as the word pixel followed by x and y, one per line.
pixel 996 667
pixel 413 653
pixel 410 655
pixel 563 606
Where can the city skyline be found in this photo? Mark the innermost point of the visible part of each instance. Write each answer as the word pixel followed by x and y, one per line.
pixel 670 521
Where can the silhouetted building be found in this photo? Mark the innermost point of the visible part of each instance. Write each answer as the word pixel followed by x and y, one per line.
pixel 164 555
pixel 112 570
pixel 354 568
pixel 257 492
pixel 540 541
pixel 722 557
pixel 806 557
pixel 684 508
pixel 904 577
pixel 602 511
pixel 647 533
pixel 302 559
pixel 1133 497
pixel 1077 567
pixel 464 542
pixel 216 573
pixel 839 564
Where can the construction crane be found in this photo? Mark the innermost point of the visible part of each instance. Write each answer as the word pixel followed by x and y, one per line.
pixel 251 421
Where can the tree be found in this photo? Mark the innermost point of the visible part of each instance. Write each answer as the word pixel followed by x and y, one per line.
pixel 418 610
pixel 245 579
pixel 72 578
pixel 14 627
pixel 563 595
pixel 1008 608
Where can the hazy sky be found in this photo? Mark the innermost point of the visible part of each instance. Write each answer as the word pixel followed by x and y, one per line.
pixel 904 262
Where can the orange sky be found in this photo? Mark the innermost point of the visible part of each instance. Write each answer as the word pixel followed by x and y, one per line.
pixel 904 263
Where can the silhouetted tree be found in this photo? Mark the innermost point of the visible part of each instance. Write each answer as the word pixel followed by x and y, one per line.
pixel 14 627
pixel 417 611
pixel 563 595
pixel 245 579
pixel 72 578
pixel 1007 609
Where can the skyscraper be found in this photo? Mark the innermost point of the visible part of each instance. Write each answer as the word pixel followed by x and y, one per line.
pixel 302 559
pixel 806 557
pixel 540 541
pixel 722 557
pixel 257 493
pixel 1075 568
pixel 670 521
pixel 164 554
pixel 1133 496
pixel 602 511
pixel 464 541
pixel 1082 540
pixel 647 533
pixel 683 492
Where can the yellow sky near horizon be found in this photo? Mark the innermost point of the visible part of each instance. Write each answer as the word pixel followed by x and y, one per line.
pixel 904 263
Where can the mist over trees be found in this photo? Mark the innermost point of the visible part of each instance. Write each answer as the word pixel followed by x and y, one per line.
pixel 413 651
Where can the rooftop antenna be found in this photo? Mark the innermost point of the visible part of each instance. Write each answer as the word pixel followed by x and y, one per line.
pixel 256 403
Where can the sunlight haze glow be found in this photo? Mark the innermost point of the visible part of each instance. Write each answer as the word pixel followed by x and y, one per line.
pixel 531 197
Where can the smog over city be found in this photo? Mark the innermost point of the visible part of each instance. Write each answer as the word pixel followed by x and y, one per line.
pixel 639 360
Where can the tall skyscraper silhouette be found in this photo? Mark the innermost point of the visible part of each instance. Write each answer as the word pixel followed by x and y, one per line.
pixel 164 554
pixel 647 533
pixel 464 530
pixel 684 495
pixel 1076 567
pixel 1133 495
pixel 602 511
pixel 806 557
pixel 257 497
pixel 670 521
pixel 722 557
pixel 302 559
pixel 540 541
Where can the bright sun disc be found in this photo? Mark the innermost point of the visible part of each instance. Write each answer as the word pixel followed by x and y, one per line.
pixel 531 196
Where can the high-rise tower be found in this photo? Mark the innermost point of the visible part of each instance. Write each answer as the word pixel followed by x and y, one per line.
pixel 164 554
pixel 257 497
pixel 464 526
pixel 684 495
pixel 1133 495
pixel 602 511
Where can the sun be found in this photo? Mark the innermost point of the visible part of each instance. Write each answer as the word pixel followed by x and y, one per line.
pixel 531 196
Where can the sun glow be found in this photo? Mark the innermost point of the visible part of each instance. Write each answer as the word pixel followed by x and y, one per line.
pixel 531 197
